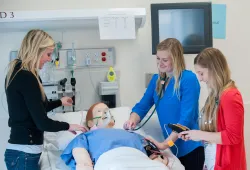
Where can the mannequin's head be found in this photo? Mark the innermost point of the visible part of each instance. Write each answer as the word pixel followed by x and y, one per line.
pixel 97 115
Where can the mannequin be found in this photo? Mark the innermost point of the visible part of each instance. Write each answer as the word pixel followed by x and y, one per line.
pixel 98 120
pixel 81 155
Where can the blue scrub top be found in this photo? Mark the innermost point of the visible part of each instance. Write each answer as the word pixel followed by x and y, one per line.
pixel 182 109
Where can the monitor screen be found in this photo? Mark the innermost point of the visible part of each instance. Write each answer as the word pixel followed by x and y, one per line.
pixel 186 25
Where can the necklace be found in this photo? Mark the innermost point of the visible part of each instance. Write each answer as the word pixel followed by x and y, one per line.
pixel 202 113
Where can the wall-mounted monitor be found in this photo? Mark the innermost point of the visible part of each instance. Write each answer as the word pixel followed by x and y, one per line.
pixel 190 23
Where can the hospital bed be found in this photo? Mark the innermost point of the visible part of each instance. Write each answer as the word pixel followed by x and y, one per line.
pixel 55 142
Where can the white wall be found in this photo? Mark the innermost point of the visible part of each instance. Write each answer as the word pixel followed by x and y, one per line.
pixel 134 57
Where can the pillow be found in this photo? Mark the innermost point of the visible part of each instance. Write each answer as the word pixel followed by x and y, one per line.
pixel 69 117
pixel 59 140
pixel 121 114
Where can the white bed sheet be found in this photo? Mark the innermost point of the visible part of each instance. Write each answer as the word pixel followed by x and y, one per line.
pixel 125 158
pixel 50 160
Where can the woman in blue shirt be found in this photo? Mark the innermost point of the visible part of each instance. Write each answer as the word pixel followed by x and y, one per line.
pixel 177 103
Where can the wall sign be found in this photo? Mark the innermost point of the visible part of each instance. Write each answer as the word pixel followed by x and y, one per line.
pixel 219 20
pixel 7 15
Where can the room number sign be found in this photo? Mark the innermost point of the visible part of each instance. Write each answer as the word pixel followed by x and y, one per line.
pixel 7 15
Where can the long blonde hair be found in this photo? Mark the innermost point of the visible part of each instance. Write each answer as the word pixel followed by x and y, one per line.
pixel 219 73
pixel 32 48
pixel 174 47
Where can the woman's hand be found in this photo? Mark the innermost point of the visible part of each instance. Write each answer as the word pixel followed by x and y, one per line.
pixel 66 101
pixel 159 145
pixel 132 122
pixel 129 124
pixel 195 135
pixel 74 127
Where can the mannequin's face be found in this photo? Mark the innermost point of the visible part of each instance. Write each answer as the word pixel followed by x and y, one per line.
pixel 99 116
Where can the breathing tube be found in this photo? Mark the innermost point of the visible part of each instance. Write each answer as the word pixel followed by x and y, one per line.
pixel 106 120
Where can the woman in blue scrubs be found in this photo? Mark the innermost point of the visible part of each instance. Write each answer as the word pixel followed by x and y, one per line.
pixel 175 92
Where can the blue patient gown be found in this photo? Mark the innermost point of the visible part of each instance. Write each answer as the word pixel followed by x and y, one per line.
pixel 99 141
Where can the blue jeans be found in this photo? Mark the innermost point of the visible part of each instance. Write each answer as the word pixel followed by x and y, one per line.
pixel 18 160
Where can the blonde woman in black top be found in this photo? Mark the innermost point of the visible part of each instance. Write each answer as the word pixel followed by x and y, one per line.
pixel 28 105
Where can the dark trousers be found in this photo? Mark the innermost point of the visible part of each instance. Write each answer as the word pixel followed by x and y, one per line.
pixel 194 160
pixel 17 160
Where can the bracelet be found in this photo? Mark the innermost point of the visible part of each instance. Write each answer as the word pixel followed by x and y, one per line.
pixel 170 143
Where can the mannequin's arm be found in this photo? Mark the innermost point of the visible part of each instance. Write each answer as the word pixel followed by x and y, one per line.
pixel 82 158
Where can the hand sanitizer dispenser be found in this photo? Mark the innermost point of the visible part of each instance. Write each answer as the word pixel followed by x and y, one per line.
pixel 111 76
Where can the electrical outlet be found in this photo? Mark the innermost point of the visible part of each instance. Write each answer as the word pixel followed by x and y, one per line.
pixel 70 60
pixel 148 77
pixel 88 61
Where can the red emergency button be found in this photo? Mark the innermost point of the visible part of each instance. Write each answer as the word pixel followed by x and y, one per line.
pixel 104 59
pixel 103 54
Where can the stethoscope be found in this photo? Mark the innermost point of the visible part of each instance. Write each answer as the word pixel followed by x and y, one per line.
pixel 163 80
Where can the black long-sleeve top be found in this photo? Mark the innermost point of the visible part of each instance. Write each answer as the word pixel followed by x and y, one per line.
pixel 27 111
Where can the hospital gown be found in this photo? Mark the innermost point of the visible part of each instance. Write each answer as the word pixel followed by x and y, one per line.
pixel 99 141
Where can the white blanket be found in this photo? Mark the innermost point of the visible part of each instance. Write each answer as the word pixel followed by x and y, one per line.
pixel 125 158
pixel 50 160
